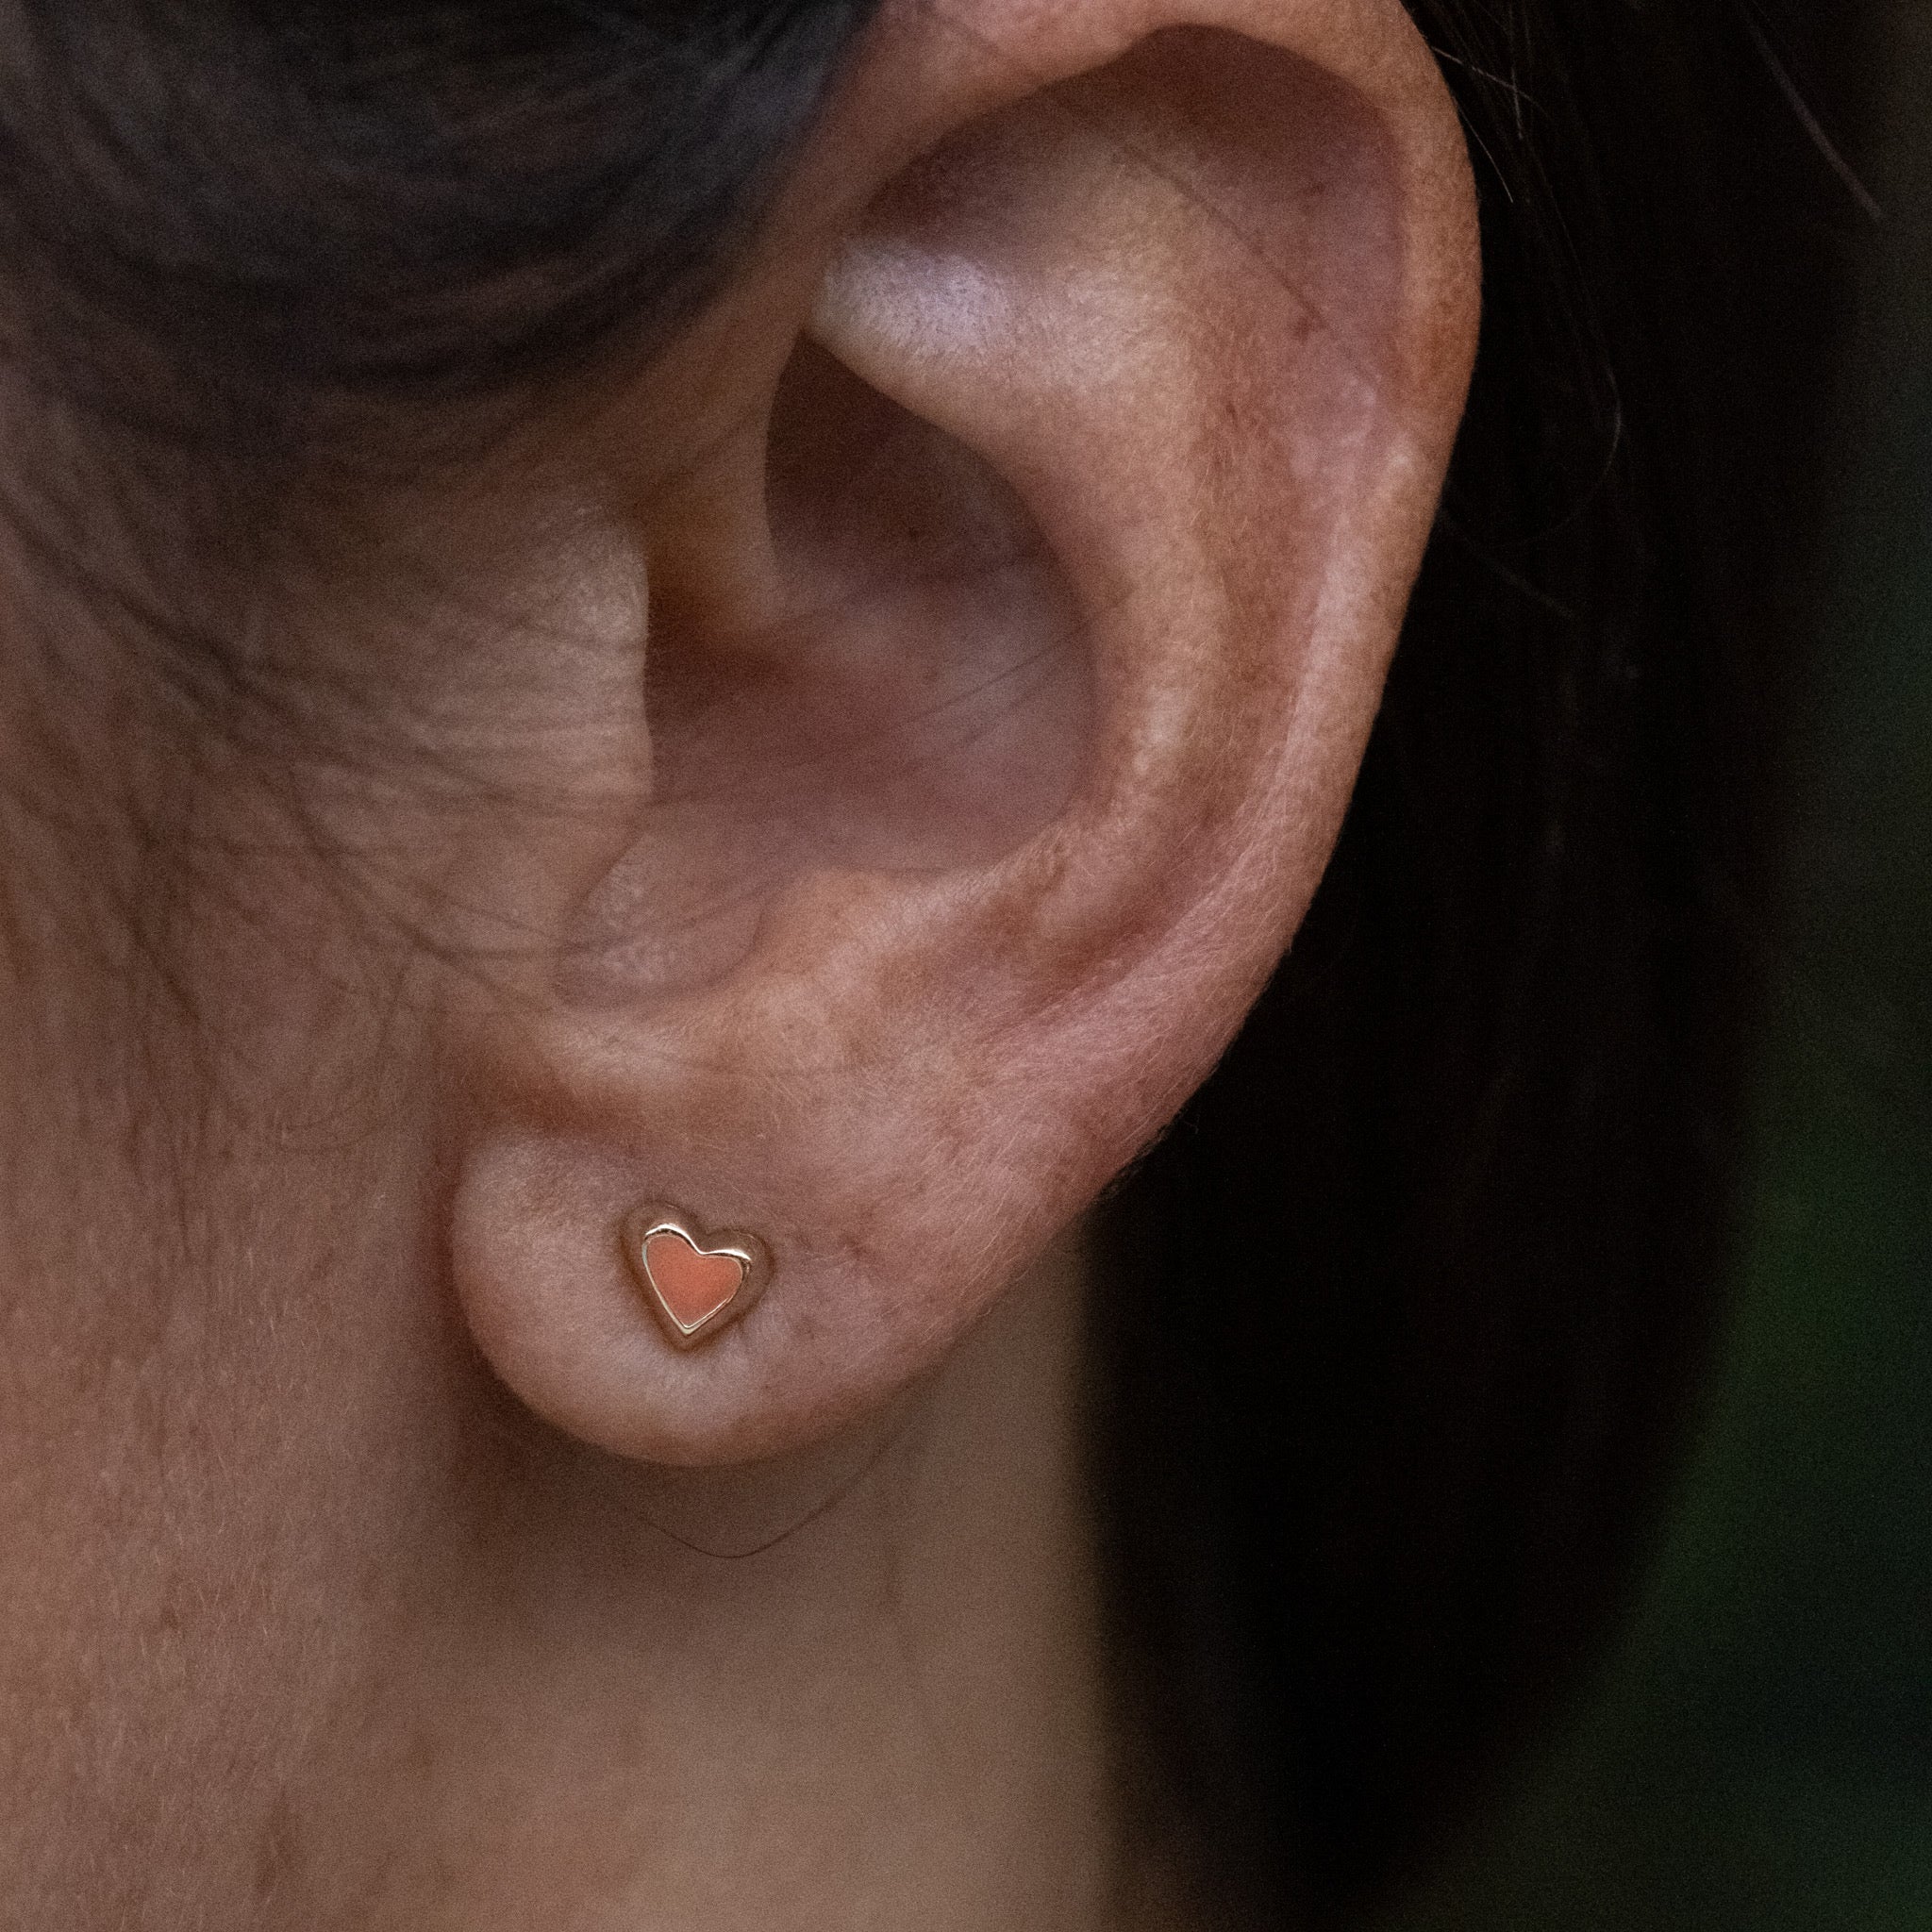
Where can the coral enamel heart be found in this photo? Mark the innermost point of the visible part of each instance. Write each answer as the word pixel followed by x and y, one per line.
pixel 691 1284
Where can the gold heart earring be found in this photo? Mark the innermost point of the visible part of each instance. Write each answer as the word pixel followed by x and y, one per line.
pixel 697 1284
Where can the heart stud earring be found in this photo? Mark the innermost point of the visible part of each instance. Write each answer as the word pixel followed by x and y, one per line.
pixel 697 1283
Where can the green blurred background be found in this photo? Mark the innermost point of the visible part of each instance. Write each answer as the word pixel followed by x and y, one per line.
pixel 1758 1753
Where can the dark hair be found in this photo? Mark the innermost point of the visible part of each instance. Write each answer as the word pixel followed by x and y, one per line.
pixel 1455 1214
pixel 287 205
pixel 1446 1227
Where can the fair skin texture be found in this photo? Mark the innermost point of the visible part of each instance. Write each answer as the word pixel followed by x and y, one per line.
pixel 858 803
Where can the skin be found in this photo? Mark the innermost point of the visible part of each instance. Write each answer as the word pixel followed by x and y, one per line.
pixel 370 1558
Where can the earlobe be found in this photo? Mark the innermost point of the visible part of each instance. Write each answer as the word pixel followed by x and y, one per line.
pixel 1114 437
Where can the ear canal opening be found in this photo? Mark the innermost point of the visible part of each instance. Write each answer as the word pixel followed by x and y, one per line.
pixel 923 703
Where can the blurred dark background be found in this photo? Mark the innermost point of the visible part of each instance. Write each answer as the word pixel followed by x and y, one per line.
pixel 1758 1754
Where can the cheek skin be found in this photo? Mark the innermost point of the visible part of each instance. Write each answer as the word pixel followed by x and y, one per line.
pixel 229 1428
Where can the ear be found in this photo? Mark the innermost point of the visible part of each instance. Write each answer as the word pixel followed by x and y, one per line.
pixel 1028 530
